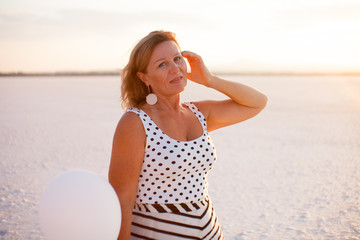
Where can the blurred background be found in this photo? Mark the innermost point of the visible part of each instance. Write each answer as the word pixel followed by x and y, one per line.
pixel 233 36
pixel 293 172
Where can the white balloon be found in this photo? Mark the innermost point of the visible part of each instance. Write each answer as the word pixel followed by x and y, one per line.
pixel 79 205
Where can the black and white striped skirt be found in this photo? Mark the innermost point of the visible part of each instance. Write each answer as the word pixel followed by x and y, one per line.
pixel 175 221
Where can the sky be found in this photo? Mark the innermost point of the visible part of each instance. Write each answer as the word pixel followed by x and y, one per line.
pixel 230 35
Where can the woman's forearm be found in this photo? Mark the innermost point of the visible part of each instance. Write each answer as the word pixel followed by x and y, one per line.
pixel 238 92
pixel 126 217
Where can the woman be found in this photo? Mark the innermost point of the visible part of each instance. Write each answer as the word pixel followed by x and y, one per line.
pixel 161 150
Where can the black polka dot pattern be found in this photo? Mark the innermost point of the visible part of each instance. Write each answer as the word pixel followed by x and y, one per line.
pixel 174 171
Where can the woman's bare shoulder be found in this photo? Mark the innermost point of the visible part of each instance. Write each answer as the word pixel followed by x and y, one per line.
pixel 204 106
pixel 129 126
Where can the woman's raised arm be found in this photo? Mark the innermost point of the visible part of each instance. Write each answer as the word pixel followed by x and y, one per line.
pixel 245 102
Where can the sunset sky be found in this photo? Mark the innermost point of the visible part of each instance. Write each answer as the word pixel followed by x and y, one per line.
pixel 230 35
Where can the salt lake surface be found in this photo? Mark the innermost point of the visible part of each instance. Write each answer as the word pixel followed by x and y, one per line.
pixel 292 172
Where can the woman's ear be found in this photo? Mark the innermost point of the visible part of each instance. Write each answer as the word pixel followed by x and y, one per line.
pixel 142 77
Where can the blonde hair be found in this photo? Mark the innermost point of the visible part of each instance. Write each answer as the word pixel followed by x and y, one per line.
pixel 133 90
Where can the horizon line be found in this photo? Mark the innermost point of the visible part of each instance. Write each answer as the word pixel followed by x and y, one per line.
pixel 118 73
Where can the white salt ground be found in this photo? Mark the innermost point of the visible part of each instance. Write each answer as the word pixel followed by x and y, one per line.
pixel 293 172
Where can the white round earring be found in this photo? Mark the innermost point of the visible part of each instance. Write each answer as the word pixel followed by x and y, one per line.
pixel 151 98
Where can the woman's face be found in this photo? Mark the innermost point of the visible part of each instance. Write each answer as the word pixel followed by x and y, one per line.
pixel 166 71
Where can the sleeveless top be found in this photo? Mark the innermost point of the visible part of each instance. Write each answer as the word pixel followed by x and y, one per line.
pixel 174 171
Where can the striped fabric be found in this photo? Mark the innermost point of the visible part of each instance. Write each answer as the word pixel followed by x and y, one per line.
pixel 175 221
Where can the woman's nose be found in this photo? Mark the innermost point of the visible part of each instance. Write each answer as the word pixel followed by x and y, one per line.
pixel 174 68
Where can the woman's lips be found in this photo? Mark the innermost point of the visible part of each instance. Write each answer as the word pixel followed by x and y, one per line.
pixel 177 79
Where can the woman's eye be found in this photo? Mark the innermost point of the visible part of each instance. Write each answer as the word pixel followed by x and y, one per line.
pixel 162 64
pixel 178 58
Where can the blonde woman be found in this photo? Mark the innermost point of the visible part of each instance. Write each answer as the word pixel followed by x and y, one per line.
pixel 162 151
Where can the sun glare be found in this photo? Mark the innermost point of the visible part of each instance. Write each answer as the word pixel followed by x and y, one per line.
pixel 231 35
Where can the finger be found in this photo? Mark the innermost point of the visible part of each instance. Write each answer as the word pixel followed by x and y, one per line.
pixel 186 53
pixel 189 55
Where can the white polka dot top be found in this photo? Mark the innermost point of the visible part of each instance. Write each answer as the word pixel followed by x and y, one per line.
pixel 174 171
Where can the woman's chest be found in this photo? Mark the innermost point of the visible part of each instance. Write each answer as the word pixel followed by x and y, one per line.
pixel 165 156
